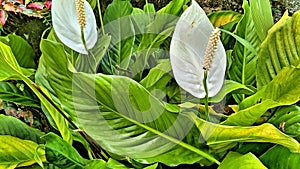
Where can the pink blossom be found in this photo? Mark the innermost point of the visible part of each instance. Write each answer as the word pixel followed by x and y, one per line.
pixel 35 6
pixel 48 4
pixel 3 17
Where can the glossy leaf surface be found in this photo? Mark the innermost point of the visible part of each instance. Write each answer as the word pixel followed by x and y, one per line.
pixel 279 49
pixel 217 134
pixel 235 160
pixel 280 91
pixel 14 127
pixel 15 152
pixel 120 113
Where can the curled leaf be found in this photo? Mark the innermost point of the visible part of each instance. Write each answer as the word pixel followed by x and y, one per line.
pixel 187 50
pixel 66 26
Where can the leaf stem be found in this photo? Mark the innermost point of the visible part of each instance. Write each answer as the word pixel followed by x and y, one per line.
pixel 206 92
pixel 100 16
pixel 83 40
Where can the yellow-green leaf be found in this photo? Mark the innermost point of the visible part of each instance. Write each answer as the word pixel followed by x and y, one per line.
pixel 15 152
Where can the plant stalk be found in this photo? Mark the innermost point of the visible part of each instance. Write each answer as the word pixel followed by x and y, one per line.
pixel 206 92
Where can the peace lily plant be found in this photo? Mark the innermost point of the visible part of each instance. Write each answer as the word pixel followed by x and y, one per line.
pixel 75 24
pixel 98 119
pixel 198 59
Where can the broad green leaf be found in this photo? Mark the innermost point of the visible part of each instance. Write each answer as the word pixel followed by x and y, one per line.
pixel 175 156
pixel 287 118
pixel 56 117
pixel 248 116
pixel 154 166
pixel 142 18
pixel 67 28
pixel 280 91
pixel 14 127
pixel 227 20
pixel 216 134
pixel 235 160
pixel 158 79
pixel 279 49
pixel 10 69
pixel 243 68
pixel 156 74
pixel 114 164
pixel 187 51
pixel 228 87
pixel 222 18
pixel 88 63
pixel 118 112
pixel 21 49
pixel 279 157
pixel 149 8
pixel 262 17
pixel 96 164
pixel 15 152
pixel 63 155
pixel 156 33
pixel 9 92
pixel 119 25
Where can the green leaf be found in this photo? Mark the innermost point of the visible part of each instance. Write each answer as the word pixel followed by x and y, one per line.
pixel 287 118
pixel 9 92
pixel 119 25
pixel 262 17
pixel 96 164
pixel 149 8
pixel 23 51
pixel 158 78
pixel 222 18
pixel 228 87
pixel 216 134
pixel 279 92
pixel 15 152
pixel 45 93
pixel 279 49
pixel 243 68
pixel 89 63
pixel 10 69
pixel 156 33
pixel 114 164
pixel 63 155
pixel 235 160
pixel 14 127
pixel 154 166
pixel 118 112
pixel 279 157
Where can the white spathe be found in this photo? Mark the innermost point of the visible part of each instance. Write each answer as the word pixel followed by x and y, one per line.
pixel 66 26
pixel 187 51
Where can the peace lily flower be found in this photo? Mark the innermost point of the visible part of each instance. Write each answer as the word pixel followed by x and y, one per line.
pixel 75 24
pixel 191 42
